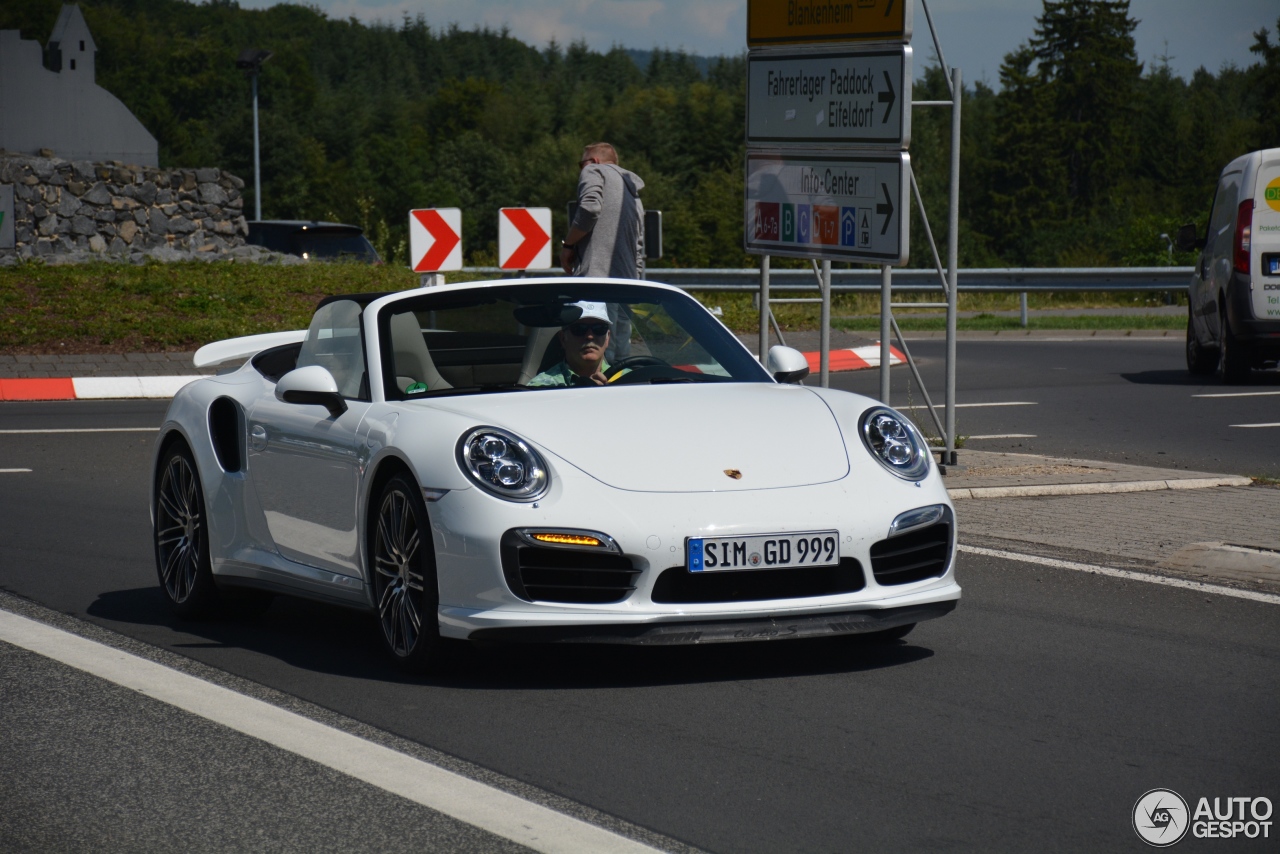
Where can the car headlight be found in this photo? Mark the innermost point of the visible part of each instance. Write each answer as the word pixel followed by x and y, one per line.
pixel 895 442
pixel 503 464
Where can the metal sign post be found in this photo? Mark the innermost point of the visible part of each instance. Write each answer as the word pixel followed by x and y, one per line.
pixel 828 124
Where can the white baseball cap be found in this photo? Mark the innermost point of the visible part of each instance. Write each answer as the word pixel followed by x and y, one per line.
pixel 593 311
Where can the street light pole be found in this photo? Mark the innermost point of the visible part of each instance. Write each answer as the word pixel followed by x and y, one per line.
pixel 257 162
pixel 250 62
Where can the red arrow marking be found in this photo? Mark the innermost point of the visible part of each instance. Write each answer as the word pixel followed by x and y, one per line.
pixel 444 237
pixel 534 239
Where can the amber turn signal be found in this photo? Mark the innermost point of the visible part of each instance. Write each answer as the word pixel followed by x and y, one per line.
pixel 567 539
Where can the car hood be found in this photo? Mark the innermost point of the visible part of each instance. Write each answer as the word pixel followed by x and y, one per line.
pixel 676 438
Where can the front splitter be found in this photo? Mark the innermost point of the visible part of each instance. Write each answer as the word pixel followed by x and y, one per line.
pixel 724 631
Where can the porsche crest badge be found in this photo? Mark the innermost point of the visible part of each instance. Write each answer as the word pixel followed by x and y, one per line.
pixel 734 473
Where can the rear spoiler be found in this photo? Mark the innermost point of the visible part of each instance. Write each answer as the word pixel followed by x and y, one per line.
pixel 242 348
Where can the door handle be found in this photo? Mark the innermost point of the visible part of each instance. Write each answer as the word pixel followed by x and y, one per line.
pixel 258 438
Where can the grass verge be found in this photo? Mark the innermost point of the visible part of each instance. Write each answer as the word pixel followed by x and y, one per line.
pixel 117 308
pixel 997 323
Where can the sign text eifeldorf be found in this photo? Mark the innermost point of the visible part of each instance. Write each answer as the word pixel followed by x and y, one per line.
pixel 853 97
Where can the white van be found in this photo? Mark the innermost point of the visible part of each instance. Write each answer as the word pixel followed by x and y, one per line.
pixel 1234 320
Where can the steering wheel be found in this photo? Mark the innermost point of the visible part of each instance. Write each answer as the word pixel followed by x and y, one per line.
pixel 633 362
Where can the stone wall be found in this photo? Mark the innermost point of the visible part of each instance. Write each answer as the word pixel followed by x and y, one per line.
pixel 63 208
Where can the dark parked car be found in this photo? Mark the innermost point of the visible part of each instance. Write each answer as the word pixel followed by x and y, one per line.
pixel 311 240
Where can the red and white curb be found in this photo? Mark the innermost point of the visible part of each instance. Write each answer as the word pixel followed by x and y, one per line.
pixel 117 388
pixel 855 358
pixel 91 388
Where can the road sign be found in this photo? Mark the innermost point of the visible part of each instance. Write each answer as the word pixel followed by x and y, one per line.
pixel 797 21
pixel 847 97
pixel 435 239
pixel 524 238
pixel 839 207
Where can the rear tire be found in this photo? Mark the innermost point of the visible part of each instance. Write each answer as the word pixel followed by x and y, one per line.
pixel 181 536
pixel 403 568
pixel 1201 360
pixel 1233 361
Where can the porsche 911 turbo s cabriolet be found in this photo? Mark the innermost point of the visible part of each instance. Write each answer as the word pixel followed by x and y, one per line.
pixel 546 460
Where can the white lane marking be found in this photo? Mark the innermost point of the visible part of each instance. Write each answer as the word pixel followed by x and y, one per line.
pixel 82 430
pixel 104 388
pixel 1005 403
pixel 13 471
pixel 1128 575
pixel 1003 436
pixel 1240 394
pixel 1276 424
pixel 467 800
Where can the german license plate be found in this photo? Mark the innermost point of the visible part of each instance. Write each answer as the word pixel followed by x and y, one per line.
pixel 762 551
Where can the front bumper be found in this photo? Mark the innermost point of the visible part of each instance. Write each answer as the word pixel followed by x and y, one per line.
pixel 649 529
pixel 690 632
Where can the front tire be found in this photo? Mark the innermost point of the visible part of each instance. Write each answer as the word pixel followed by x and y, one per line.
pixel 1201 360
pixel 1233 361
pixel 402 559
pixel 181 536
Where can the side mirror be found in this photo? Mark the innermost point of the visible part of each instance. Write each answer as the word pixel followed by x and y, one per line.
pixel 312 384
pixel 1188 239
pixel 787 365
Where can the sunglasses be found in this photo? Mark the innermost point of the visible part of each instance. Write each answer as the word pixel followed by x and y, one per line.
pixel 580 330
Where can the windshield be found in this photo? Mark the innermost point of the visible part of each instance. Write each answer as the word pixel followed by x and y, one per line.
pixel 555 336
pixel 318 243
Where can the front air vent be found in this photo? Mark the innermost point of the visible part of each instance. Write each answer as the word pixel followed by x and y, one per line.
pixel 679 586
pixel 570 575
pixel 913 556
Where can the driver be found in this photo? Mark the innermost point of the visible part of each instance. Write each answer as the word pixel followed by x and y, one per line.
pixel 584 342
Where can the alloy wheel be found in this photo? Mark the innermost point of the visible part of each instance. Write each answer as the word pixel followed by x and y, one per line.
pixel 180 529
pixel 398 571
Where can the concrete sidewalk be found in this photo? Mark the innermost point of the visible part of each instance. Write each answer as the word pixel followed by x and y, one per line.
pixel 1219 529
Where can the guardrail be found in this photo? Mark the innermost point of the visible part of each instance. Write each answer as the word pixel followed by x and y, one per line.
pixel 996 280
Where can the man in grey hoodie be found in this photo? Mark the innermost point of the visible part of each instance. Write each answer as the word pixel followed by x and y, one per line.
pixel 606 237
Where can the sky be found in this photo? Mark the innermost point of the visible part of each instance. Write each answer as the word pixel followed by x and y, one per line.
pixel 975 34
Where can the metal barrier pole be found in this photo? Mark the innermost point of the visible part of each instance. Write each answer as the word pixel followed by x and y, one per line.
pixel 886 314
pixel 953 263
pixel 825 363
pixel 1022 304
pixel 765 309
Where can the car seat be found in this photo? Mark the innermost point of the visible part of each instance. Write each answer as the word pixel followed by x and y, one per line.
pixel 413 362
pixel 541 351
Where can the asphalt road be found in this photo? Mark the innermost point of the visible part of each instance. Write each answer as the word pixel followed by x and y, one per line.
pixel 1122 399
pixel 1031 718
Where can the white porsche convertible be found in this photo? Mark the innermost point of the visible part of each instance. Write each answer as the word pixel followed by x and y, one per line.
pixel 546 460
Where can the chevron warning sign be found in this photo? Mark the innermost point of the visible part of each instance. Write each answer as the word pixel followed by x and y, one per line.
pixel 435 239
pixel 524 238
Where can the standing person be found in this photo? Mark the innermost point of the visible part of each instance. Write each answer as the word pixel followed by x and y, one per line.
pixel 606 237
